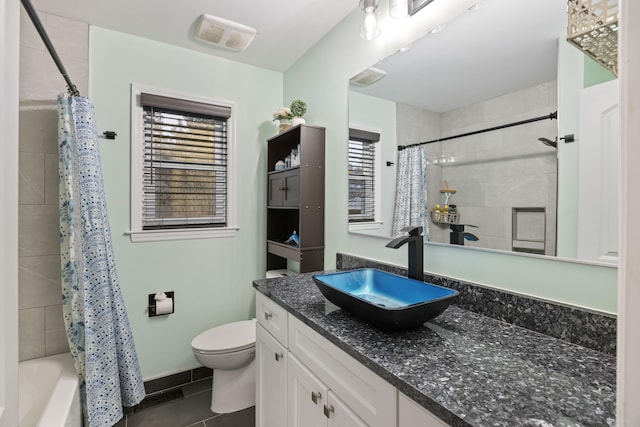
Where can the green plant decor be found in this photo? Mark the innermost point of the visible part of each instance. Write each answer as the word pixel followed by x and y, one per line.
pixel 298 108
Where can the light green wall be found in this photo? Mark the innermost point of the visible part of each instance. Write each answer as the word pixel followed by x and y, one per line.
pixel 594 73
pixel 320 77
pixel 570 83
pixel 211 277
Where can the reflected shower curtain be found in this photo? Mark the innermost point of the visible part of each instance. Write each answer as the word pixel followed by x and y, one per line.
pixel 411 192
pixel 98 330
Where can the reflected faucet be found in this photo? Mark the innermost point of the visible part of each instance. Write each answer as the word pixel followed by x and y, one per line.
pixel 416 244
pixel 458 235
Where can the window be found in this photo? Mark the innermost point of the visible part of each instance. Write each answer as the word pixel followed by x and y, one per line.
pixel 180 167
pixel 362 179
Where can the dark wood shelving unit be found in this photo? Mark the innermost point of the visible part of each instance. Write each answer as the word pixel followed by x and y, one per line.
pixel 295 199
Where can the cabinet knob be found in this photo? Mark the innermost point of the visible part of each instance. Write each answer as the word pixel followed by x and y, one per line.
pixel 279 357
pixel 328 410
pixel 267 315
pixel 315 396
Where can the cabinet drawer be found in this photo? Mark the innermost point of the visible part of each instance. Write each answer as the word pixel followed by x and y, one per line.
pixel 272 317
pixel 368 395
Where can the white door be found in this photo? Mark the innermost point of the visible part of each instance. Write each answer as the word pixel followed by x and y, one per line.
pixel 598 169
pixel 307 396
pixel 340 415
pixel 271 381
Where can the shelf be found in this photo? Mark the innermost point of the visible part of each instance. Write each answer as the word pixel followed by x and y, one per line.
pixel 283 170
pixel 444 218
pixel 295 199
pixel 284 250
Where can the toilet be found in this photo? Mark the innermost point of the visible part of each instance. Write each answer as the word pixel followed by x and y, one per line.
pixel 230 351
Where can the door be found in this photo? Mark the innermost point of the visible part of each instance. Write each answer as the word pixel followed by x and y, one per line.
pixel 307 396
pixel 271 382
pixel 340 415
pixel 292 189
pixel 598 171
pixel 275 192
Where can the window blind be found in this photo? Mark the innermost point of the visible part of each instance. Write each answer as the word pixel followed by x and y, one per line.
pixel 185 164
pixel 362 175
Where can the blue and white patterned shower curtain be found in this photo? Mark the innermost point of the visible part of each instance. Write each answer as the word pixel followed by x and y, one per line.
pixel 411 192
pixel 95 317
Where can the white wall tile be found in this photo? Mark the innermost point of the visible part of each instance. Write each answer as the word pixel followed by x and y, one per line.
pixel 31 178
pixel 31 333
pixel 53 320
pixel 38 230
pixel 39 127
pixel 29 36
pixel 69 37
pixel 51 179
pixel 39 281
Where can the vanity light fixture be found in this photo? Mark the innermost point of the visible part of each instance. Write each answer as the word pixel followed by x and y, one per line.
pixel 399 8
pixel 369 29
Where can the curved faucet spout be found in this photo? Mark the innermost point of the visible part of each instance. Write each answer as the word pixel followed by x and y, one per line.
pixel 416 244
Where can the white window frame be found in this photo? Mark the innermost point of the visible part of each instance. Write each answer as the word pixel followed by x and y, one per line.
pixel 137 234
pixel 377 223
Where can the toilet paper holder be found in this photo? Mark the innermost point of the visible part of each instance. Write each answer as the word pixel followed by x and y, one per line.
pixel 152 303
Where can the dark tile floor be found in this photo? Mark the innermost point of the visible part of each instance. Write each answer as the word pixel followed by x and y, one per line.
pixel 191 410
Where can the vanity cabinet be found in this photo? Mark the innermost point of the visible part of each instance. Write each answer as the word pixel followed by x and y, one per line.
pixel 304 380
pixel 295 199
pixel 271 363
pixel 312 403
pixel 271 384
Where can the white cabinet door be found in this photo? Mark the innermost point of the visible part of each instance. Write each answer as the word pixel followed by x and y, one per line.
pixel 312 404
pixel 340 415
pixel 410 414
pixel 368 395
pixel 307 396
pixel 271 381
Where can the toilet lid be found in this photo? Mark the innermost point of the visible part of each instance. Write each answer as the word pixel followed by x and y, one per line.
pixel 227 338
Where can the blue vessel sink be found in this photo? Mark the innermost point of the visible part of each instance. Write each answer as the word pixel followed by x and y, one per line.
pixel 385 300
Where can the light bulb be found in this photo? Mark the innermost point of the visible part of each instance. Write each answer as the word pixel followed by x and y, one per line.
pixel 369 25
pixel 370 28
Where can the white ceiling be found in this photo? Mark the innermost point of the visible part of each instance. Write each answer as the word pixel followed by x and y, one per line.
pixel 285 28
pixel 501 46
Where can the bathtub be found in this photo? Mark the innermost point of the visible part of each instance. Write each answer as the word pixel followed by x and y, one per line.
pixel 49 394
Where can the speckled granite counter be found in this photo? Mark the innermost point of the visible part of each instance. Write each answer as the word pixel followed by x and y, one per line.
pixel 468 369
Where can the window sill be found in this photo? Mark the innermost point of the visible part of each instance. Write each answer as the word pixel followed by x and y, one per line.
pixel 183 234
pixel 359 226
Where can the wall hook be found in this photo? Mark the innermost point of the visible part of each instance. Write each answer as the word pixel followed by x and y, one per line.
pixel 109 134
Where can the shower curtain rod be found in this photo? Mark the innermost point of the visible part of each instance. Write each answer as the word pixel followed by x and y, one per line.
pixel 28 7
pixel 549 116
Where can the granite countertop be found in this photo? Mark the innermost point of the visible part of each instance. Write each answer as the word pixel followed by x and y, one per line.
pixel 468 369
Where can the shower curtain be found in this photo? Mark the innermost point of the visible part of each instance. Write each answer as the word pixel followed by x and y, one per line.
pixel 411 192
pixel 98 330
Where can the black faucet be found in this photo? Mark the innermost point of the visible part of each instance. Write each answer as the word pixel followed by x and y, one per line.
pixel 416 244
pixel 458 235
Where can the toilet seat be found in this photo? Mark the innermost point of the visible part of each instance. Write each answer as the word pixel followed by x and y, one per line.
pixel 227 338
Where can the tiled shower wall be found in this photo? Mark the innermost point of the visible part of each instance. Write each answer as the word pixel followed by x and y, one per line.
pixel 41 328
pixel 496 171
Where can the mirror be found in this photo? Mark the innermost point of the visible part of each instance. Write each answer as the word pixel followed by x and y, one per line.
pixel 495 65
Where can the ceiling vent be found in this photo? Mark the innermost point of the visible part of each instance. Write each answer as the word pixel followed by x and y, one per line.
pixel 224 33
pixel 367 77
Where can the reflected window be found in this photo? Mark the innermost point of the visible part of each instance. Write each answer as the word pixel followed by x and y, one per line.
pixel 362 170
